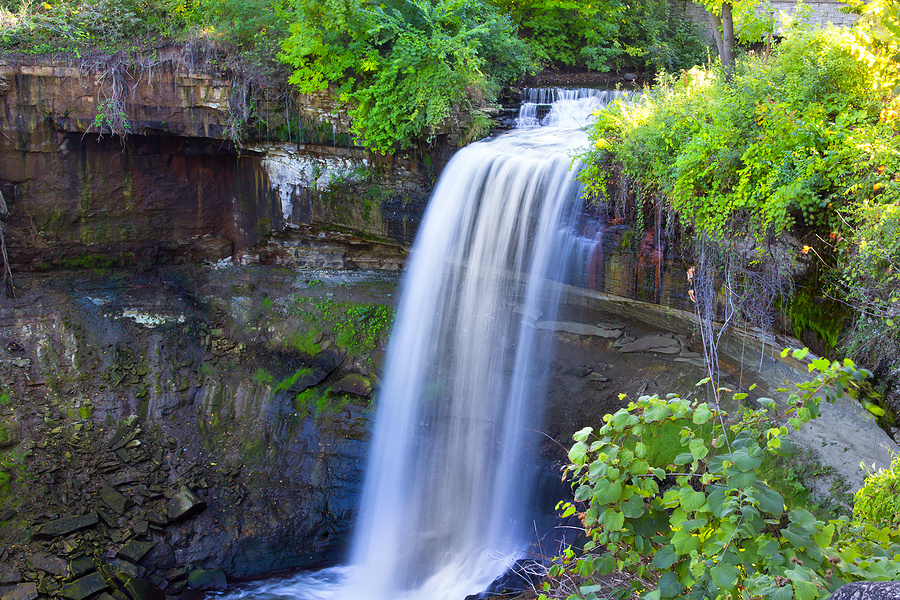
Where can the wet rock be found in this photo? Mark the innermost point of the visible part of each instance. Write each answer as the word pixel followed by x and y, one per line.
pixel 868 590
pixel 135 550
pixel 124 570
pixel 114 499
pixel 81 566
pixel 580 328
pixel 211 248
pixel 355 384
pixel 65 526
pixel 207 580
pixel 7 514
pixel 141 589
pixel 49 564
pixel 24 591
pixel 9 574
pixel 597 378
pixel 85 587
pixel 578 371
pixel 661 344
pixel 184 505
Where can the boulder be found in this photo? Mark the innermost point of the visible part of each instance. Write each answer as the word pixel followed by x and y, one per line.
pixel 207 580
pixel 662 344
pixel 64 526
pixel 24 591
pixel 141 589
pixel 134 550
pixel 868 590
pixel 580 328
pixel 184 505
pixel 114 499
pixel 48 564
pixel 81 566
pixel 85 587
pixel 9 574
pixel 355 384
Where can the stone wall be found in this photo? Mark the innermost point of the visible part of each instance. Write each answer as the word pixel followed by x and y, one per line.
pixel 821 13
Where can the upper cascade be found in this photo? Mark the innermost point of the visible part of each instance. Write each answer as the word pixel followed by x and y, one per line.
pixel 561 107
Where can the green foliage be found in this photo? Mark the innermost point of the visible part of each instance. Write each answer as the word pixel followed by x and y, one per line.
pixel 706 524
pixel 869 278
pixel 878 45
pixel 611 33
pixel 403 67
pixel 878 501
pixel 766 152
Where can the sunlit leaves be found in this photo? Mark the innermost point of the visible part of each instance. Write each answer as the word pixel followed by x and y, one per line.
pixel 718 527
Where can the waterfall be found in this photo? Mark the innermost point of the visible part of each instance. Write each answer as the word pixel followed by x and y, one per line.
pixel 445 506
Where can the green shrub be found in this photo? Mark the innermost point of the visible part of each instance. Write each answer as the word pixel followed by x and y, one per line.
pixel 878 501
pixel 402 67
pixel 706 524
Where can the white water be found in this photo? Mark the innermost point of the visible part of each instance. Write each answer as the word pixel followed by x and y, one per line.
pixel 446 500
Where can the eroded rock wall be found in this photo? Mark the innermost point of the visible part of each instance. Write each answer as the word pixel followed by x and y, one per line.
pixel 178 187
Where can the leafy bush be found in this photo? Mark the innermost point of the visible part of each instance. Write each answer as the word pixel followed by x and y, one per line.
pixel 706 524
pixel 403 67
pixel 764 153
pixel 878 501
pixel 611 33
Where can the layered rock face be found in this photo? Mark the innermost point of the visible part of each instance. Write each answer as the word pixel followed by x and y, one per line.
pixel 177 187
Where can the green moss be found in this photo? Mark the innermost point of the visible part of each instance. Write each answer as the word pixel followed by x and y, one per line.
pixel 5 399
pixel 304 341
pixel 287 382
pixel 263 377
pixel 812 310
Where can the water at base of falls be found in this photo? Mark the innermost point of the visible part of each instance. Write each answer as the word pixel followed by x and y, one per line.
pixel 445 506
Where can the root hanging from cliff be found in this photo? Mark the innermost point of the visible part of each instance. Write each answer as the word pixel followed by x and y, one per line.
pixel 7 272
pixel 111 118
pixel 729 289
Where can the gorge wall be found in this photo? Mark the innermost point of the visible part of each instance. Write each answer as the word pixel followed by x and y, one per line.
pixel 181 185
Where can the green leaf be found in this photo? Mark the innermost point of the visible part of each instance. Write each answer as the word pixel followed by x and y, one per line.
pixel 768 499
pixel 582 434
pixel 641 450
pixel 698 448
pixel 684 542
pixel 669 586
pixel 724 576
pixel 744 461
pixel 633 507
pixel 613 519
pixel 718 496
pixel 702 414
pixel 623 419
pixel 691 500
pixel 606 492
pixel 657 412
pixel 800 354
pixel 577 453
pixel 683 459
pixel 665 557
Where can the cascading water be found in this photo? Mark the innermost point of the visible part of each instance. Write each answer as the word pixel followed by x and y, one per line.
pixel 446 499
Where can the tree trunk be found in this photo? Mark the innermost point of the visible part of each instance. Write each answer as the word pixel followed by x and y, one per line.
pixel 727 40
pixel 723 30
pixel 716 22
